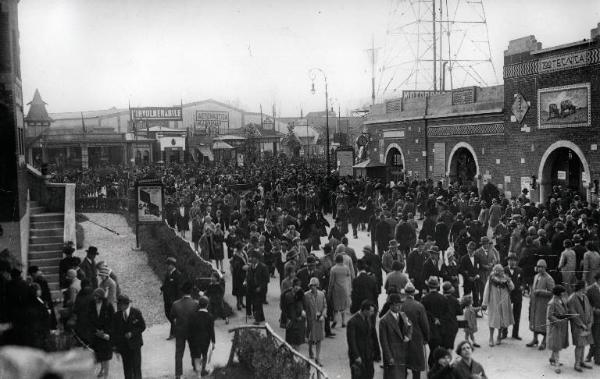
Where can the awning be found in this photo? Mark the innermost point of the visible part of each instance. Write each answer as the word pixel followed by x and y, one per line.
pixel 205 150
pixel 220 145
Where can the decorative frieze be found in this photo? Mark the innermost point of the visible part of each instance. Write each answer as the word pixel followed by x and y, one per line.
pixel 492 128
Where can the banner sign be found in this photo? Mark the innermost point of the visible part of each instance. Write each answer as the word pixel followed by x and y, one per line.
pixel 157 113
pixel 212 119
pixel 415 94
pixel 149 201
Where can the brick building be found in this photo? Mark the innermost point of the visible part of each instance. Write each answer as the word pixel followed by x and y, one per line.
pixel 540 129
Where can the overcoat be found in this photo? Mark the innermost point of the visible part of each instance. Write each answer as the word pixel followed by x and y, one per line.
pixel 417 315
pixel 393 336
pixel 339 287
pixel 557 337
pixel 496 297
pixel 315 304
pixel 580 305
pixel 541 292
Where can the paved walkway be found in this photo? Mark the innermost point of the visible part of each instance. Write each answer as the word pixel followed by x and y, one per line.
pixel 509 360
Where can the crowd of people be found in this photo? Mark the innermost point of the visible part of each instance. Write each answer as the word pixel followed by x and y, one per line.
pixel 443 256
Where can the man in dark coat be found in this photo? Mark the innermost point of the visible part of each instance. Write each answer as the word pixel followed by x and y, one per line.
pixel 128 327
pixel 87 268
pixel 449 321
pixel 405 235
pixel 394 334
pixel 181 313
pixel 417 315
pixel 373 265
pixel 67 263
pixel 38 277
pixel 428 228
pixel 305 273
pixel 201 334
pixel 414 266
pixel 382 234
pixel 436 306
pixel 362 342
pixel 469 269
pixel 431 268
pixel 515 274
pixel 171 290
pixel 257 282
pixel 364 287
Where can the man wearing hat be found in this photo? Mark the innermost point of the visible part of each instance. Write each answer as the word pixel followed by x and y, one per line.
pixel 395 332
pixel 315 307
pixel 171 290
pixel 437 308
pixel 581 323
pixel 373 263
pixel 430 267
pixel 257 281
pixel 393 254
pixel 515 273
pixel 361 338
pixel 414 265
pixel 181 313
pixel 450 322
pixel 488 257
pixel 88 266
pixel 309 271
pixel 129 325
pixel 364 287
pixel 416 313
pixel 541 293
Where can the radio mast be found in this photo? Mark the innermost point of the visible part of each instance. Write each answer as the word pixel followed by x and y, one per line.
pixel 435 45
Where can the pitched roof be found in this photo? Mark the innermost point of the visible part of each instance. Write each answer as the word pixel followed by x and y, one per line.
pixel 37 110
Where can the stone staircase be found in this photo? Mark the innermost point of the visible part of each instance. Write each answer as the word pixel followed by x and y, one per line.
pixel 46 244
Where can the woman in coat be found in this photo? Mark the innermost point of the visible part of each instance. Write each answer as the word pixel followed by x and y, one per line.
pixel 197 226
pixel 340 281
pixel 567 265
pixel 541 293
pixel 101 317
pixel 315 307
pixel 557 337
pixel 293 309
pixel 496 298
pixel 582 319
pixel 238 264
pixel 218 239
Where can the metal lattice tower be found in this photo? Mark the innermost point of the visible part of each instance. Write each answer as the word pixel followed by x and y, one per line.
pixel 435 50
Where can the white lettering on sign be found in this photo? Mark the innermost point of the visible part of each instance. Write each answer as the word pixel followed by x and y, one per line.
pixel 157 113
pixel 212 119
pixel 564 62
pixel 393 134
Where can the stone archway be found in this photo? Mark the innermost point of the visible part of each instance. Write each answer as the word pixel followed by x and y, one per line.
pixel 463 165
pixel 547 170
pixel 395 163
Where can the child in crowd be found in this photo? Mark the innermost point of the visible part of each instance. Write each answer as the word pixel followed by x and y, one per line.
pixel 470 313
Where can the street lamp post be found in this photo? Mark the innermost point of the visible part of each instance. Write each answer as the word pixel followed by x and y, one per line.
pixel 313 75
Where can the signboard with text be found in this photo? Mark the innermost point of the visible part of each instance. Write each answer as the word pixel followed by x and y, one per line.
pixel 212 120
pixel 150 203
pixel 157 113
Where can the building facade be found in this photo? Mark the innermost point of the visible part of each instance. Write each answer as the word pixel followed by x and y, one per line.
pixel 540 129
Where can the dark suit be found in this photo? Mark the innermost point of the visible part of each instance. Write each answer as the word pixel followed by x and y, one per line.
pixel 437 309
pixel 181 313
pixel 88 270
pixel 374 266
pixel 417 315
pixel 129 348
pixel 593 294
pixel 392 333
pixel 516 296
pixel 362 343
pixel 364 287
pixel 202 333
pixel 171 290
pixel 469 271
pixel 257 281
pixel 304 275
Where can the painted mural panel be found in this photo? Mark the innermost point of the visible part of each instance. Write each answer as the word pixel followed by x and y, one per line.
pixel 567 106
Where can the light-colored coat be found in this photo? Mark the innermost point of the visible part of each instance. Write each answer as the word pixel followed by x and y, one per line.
pixel 394 345
pixel 541 293
pixel 497 300
pixel 591 266
pixel 581 325
pixel 557 337
pixel 340 281
pixel 315 304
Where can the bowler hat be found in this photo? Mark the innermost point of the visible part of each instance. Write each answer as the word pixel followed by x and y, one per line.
pixel 410 289
pixel 123 299
pixel 92 250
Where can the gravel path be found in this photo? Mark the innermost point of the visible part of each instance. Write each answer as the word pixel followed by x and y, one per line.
pixel 136 278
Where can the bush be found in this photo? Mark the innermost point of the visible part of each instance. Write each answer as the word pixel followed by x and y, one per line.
pixel 267 358
pixel 235 371
pixel 79 236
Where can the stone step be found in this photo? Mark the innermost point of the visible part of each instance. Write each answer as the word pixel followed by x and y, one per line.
pixel 46 240
pixel 43 217
pixel 36 210
pixel 36 225
pixel 46 247
pixel 51 278
pixel 48 265
pixel 34 203
pixel 54 232
pixel 49 254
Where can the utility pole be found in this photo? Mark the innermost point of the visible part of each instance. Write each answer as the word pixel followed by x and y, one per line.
pixel 434 48
pixel 372 50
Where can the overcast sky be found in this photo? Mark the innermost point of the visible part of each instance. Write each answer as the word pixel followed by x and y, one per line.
pixel 95 54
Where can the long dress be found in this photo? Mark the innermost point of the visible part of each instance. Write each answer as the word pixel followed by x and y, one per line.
pixel 315 304
pixel 339 287
pixel 557 337
pixel 541 293
pixel 496 297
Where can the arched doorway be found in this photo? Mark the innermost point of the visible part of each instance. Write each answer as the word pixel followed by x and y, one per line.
pixel 563 165
pixel 394 162
pixel 463 167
